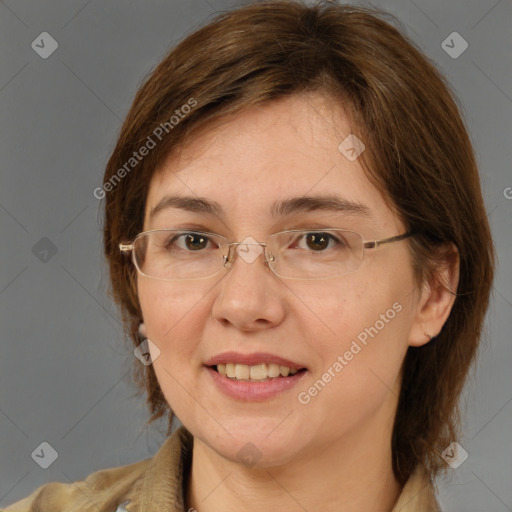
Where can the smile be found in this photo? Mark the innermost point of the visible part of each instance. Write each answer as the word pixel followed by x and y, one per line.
pixel 254 390
pixel 255 373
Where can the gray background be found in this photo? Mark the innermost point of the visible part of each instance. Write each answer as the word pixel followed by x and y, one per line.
pixel 65 371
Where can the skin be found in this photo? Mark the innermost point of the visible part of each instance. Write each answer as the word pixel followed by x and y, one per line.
pixel 333 453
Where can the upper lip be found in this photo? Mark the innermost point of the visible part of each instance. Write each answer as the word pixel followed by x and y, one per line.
pixel 252 359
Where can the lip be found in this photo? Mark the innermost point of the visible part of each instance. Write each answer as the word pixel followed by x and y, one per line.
pixel 252 359
pixel 254 391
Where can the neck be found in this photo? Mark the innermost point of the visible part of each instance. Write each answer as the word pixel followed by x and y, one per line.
pixel 353 474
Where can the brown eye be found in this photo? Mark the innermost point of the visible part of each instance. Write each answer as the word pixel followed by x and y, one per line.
pixel 189 242
pixel 195 241
pixel 318 241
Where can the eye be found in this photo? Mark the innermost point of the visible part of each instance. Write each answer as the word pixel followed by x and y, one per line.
pixel 319 241
pixel 188 242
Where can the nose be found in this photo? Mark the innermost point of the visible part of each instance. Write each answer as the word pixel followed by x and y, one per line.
pixel 250 296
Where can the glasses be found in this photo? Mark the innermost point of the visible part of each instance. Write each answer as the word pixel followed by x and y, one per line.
pixel 174 254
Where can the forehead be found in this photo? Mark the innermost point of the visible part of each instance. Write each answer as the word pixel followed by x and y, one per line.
pixel 283 149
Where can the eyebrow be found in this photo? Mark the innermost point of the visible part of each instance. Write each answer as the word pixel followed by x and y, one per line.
pixel 280 208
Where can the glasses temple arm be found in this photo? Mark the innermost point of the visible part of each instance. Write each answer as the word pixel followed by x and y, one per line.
pixel 376 243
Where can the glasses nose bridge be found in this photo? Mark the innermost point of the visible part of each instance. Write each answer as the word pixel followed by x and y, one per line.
pixel 248 258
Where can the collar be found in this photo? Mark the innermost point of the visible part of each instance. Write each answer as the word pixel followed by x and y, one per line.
pixel 164 481
pixel 418 494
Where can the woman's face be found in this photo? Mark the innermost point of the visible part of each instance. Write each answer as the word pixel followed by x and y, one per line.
pixel 350 333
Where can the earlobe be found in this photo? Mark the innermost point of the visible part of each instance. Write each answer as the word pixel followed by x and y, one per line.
pixel 437 299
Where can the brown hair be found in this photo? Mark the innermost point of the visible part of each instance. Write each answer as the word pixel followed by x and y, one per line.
pixel 418 153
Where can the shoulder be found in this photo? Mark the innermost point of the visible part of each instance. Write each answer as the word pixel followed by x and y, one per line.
pixel 100 491
pixel 153 483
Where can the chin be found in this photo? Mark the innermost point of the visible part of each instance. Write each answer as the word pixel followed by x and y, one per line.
pixel 256 453
pixel 253 443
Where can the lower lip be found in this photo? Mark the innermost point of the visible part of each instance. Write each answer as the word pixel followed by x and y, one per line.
pixel 254 391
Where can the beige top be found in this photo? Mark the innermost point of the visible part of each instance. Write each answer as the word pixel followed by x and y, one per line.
pixel 156 485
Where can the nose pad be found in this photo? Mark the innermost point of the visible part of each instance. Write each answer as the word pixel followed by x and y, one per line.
pixel 249 250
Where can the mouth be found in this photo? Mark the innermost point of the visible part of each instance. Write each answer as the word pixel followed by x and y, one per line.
pixel 254 377
pixel 261 372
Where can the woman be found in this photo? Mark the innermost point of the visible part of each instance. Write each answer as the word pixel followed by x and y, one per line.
pixel 298 244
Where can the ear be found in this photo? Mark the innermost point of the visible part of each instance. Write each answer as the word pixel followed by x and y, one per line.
pixel 438 294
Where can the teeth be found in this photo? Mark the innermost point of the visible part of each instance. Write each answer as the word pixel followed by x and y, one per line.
pixel 241 371
pixel 273 370
pixel 255 372
pixel 230 370
pixel 258 371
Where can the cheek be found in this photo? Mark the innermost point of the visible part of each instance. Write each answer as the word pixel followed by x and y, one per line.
pixel 368 323
pixel 174 319
pixel 360 366
pixel 365 334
